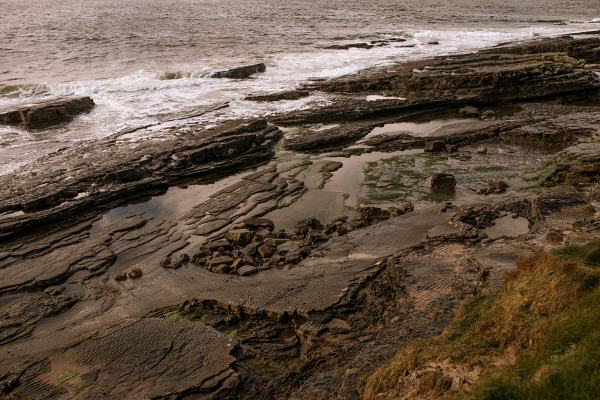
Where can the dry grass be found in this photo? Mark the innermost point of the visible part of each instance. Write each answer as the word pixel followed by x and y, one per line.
pixel 536 339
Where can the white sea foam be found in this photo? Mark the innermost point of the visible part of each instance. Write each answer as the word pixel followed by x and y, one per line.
pixel 143 98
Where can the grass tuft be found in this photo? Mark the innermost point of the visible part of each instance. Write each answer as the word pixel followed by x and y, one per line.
pixel 535 339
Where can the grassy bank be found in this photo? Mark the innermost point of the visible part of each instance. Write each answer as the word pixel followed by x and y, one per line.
pixel 539 338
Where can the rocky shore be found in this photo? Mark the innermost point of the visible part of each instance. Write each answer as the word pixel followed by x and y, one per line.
pixel 290 256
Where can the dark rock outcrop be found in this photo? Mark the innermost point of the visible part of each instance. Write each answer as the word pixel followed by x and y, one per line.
pixel 113 173
pixel 240 72
pixel 47 113
pixel 279 96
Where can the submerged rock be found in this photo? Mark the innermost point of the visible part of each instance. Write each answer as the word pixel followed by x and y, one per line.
pixel 46 113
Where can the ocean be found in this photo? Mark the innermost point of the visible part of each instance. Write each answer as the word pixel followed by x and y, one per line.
pixel 119 52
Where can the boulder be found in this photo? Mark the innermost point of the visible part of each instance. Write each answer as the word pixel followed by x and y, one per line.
pixel 443 183
pixel 481 150
pixel 240 72
pixel 47 113
pixel 240 237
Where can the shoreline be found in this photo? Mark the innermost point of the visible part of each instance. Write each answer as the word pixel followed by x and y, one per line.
pixel 515 127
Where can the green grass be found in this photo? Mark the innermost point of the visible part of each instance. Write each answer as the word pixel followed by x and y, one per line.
pixel 588 254
pixel 538 338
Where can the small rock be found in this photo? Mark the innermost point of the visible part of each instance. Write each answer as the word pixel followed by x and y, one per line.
pixel 293 257
pixel 401 209
pixel 221 269
pixel 250 250
pixel 179 260
pixel 134 273
pixel 303 226
pixel 274 242
pixel 240 237
pixel 305 251
pixel 495 187
pixel 341 230
pixel 434 146
pixel 249 260
pixel 443 183
pixel 238 262
pixel 56 290
pixel 262 233
pixel 469 111
pixel 121 277
pixel 371 214
pixel 219 245
pixel 265 251
pixel 220 260
pixel 315 236
pixel 481 150
pixel 259 223
pixel 247 270
pixel 276 259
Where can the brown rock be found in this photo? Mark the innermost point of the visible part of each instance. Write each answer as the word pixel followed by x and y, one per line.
pixel 247 270
pixel 303 226
pixel 265 251
pixel 240 237
pixel 134 273
pixel 443 183
pixel 220 260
